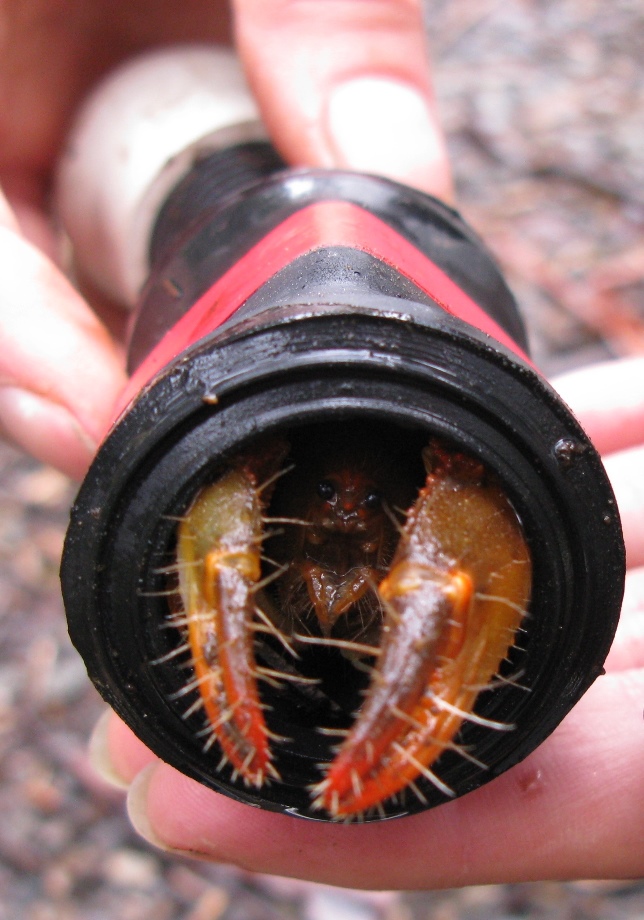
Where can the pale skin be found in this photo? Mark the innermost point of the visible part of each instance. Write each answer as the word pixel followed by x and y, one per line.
pixel 573 809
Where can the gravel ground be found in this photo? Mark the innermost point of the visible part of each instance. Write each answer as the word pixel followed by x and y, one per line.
pixel 543 102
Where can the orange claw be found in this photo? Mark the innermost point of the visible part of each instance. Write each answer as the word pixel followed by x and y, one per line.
pixel 219 564
pixel 457 590
pixel 453 599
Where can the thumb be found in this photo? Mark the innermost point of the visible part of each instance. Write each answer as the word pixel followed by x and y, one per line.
pixel 346 84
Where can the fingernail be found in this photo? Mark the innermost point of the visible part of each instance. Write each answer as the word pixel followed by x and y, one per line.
pixel 137 807
pixel 99 754
pixel 137 810
pixel 46 430
pixel 384 126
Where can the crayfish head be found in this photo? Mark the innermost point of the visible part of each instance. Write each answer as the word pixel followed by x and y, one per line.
pixel 349 502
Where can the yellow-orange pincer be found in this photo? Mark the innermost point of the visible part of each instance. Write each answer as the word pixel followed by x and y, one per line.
pixel 219 565
pixel 456 592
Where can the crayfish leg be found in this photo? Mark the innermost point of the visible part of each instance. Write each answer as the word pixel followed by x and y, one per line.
pixel 458 587
pixel 219 564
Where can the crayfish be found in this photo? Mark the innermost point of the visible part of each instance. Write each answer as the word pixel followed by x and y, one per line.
pixel 303 551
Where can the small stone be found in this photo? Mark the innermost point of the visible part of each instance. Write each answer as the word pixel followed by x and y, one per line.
pixel 210 906
pixel 130 869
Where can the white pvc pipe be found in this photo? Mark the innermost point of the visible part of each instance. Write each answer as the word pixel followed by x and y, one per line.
pixel 136 135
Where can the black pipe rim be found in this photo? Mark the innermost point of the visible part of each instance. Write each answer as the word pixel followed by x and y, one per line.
pixel 270 378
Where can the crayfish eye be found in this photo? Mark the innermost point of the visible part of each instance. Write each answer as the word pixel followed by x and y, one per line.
pixel 372 501
pixel 326 490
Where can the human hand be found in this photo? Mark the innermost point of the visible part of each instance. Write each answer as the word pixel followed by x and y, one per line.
pixel 569 810
pixel 573 809
pixel 319 71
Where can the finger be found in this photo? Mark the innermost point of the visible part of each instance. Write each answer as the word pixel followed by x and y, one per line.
pixel 625 473
pixel 50 61
pixel 633 605
pixel 8 218
pixel 346 84
pixel 60 372
pixel 573 809
pixel 608 400
pixel 116 753
pixel 628 647
pixel 27 211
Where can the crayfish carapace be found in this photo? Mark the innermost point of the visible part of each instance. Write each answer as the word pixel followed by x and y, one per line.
pixel 301 552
